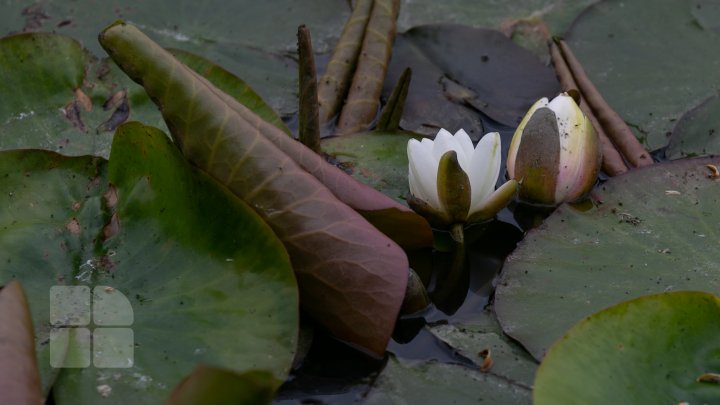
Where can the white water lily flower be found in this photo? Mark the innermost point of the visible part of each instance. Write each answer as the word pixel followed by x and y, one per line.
pixel 453 182
pixel 555 152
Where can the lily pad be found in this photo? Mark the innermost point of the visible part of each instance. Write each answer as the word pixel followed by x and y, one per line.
pixel 697 133
pixel 650 350
pixel 651 68
pixel 56 92
pixel 249 38
pixel 216 288
pixel 651 230
pixel 558 14
pixel 378 159
pixel 216 386
pixel 476 69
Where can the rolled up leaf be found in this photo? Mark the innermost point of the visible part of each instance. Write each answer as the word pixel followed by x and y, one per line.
pixel 335 82
pixel 351 277
pixel 364 96
pixel 19 376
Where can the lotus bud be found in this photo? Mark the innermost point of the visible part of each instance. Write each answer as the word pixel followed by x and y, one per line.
pixel 555 152
pixel 452 182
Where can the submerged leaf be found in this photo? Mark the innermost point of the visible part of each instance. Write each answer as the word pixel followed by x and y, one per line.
pixel 352 278
pixel 19 378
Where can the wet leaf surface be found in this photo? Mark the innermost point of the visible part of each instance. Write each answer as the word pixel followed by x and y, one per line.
pixel 619 353
pixel 651 68
pixel 200 290
pixel 661 219
pixel 251 39
pixel 502 81
pixel 697 132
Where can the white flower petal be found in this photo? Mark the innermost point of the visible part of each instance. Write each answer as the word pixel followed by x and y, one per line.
pixel 422 175
pixel 484 169
pixel 466 146
pixel 443 142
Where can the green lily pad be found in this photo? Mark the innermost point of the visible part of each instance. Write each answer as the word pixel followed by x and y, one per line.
pixel 697 132
pixel 651 68
pixel 214 288
pixel 651 230
pixel 650 350
pixel 378 159
pixel 43 74
pixel 249 38
pixel 502 80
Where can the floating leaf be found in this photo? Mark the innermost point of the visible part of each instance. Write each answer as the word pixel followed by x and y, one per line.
pixel 216 288
pixel 507 381
pixel 651 230
pixel 251 39
pixel 51 81
pixel 215 386
pixel 19 378
pixel 352 278
pixel 621 56
pixel 502 80
pixel 644 351
pixel 697 133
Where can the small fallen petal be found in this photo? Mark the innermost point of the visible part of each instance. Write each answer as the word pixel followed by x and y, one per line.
pixel 709 378
pixel 487 360
pixel 104 390
pixel 672 192
pixel 714 172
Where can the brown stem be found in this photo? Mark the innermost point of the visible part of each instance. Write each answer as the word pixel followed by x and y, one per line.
pixel 614 126
pixel 309 126
pixel 613 163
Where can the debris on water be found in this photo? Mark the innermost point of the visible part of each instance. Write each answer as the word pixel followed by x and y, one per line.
pixel 714 172
pixel 104 390
pixel 672 192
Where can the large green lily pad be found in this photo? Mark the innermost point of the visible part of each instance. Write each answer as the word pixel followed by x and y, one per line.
pixel 651 230
pixel 649 350
pixel 697 133
pixel 652 62
pixel 215 288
